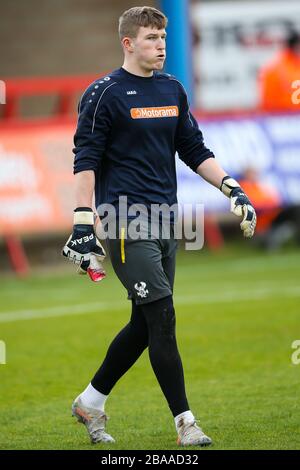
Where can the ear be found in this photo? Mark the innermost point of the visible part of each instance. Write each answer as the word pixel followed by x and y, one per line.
pixel 127 44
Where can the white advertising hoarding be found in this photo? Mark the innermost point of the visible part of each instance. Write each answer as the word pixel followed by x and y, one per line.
pixel 270 144
pixel 234 40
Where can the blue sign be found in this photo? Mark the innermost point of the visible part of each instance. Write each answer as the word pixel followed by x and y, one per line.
pixel 268 143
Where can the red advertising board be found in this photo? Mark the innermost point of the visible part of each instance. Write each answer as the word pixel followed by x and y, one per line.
pixel 36 179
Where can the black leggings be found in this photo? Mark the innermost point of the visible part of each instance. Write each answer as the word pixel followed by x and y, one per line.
pixel 151 325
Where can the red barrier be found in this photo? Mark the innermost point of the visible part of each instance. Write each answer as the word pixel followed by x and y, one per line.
pixel 17 255
pixel 24 150
pixel 64 88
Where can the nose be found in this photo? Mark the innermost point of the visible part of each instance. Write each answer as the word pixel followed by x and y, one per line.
pixel 161 43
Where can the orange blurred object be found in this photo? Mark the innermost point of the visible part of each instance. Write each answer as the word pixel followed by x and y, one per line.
pixel 275 82
pixel 265 199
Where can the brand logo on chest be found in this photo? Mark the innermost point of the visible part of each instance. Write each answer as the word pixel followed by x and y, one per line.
pixel 159 112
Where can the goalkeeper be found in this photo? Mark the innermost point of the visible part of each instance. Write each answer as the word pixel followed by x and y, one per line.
pixel 130 125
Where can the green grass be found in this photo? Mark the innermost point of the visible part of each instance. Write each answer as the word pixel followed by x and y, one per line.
pixel 237 316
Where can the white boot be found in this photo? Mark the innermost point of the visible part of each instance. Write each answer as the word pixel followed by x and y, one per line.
pixel 190 434
pixel 94 421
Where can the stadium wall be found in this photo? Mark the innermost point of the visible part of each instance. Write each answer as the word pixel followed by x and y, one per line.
pixel 39 37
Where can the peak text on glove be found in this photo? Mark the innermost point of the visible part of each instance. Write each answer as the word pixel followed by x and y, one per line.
pixel 82 240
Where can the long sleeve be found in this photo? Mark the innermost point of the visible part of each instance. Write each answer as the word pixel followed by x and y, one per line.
pixel 189 139
pixel 93 129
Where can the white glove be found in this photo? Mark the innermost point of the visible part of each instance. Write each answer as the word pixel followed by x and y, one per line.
pixel 240 205
pixel 83 247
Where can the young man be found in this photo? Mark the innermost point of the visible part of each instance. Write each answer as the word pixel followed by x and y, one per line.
pixel 131 123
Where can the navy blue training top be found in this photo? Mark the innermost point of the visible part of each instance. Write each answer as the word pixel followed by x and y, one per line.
pixel 129 129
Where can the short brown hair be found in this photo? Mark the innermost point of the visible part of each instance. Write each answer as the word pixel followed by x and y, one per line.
pixel 134 18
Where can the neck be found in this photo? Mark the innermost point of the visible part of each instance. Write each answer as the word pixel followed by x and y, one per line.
pixel 136 69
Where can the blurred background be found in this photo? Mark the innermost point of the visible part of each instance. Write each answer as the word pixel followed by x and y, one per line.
pixel 240 63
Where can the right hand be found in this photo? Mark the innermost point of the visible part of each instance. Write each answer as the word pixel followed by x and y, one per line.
pixel 83 247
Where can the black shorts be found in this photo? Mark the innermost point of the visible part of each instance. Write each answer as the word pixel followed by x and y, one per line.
pixel 145 266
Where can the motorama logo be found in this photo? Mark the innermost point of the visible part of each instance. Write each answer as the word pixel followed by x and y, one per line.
pixel 158 112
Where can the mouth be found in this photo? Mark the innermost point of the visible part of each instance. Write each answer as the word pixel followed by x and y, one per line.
pixel 161 57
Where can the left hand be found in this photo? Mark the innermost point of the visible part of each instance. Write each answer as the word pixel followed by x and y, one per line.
pixel 240 205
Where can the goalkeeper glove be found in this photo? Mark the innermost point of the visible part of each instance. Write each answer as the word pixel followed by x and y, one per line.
pixel 240 205
pixel 83 246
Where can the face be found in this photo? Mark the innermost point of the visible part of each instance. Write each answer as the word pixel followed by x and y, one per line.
pixel 149 48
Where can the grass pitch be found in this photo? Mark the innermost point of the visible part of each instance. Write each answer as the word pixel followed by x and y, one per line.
pixel 237 316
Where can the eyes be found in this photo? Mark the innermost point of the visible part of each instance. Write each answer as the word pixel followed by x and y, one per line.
pixel 154 38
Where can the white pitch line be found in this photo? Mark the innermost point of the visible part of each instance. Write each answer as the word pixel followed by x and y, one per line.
pixel 60 311
pixel 82 309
